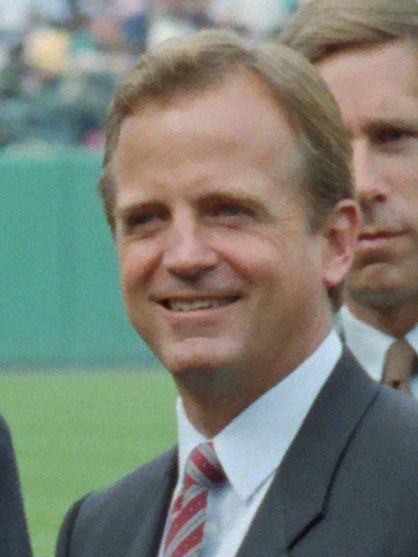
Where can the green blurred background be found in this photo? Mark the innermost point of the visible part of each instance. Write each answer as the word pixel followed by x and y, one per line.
pixel 78 431
pixel 85 399
pixel 59 283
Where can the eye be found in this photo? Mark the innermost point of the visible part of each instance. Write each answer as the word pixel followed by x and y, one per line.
pixel 145 220
pixel 389 136
pixel 140 219
pixel 228 210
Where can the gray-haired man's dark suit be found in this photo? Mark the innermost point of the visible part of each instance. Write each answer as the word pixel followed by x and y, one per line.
pixel 348 487
pixel 14 538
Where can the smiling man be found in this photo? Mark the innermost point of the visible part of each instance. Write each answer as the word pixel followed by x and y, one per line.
pixel 367 52
pixel 228 190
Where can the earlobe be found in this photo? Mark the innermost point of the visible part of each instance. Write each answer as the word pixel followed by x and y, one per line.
pixel 340 236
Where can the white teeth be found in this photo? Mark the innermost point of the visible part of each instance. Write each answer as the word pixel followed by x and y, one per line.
pixel 196 304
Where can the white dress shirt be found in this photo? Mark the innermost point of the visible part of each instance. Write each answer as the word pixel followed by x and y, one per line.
pixel 369 345
pixel 252 446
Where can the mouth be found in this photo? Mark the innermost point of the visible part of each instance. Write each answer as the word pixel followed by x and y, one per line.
pixel 373 236
pixel 196 304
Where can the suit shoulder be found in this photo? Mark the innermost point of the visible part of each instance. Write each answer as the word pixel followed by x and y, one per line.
pixel 391 414
pixel 141 481
pixel 390 428
pixel 101 516
pixel 108 519
pixel 396 408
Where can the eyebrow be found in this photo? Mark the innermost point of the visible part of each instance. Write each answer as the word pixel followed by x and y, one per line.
pixel 125 211
pixel 233 197
pixel 409 124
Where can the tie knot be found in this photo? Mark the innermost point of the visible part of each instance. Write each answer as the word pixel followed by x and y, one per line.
pixel 398 365
pixel 203 467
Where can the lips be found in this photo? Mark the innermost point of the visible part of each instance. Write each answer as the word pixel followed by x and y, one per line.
pixel 196 304
pixel 375 235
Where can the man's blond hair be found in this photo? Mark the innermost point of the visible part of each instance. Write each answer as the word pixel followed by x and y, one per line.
pixel 206 59
pixel 322 27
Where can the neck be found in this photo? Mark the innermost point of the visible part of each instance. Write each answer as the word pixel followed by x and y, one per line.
pixel 210 416
pixel 211 403
pixel 214 395
pixel 396 320
pixel 212 398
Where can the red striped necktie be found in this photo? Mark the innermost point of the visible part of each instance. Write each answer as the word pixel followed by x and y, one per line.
pixel 186 521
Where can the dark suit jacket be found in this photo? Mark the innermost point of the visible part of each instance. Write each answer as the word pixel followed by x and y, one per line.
pixel 348 486
pixel 14 538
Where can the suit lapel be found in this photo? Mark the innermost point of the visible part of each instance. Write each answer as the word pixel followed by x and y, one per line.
pixel 151 529
pixel 298 495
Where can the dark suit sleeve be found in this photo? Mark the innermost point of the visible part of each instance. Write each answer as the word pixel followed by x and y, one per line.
pixel 63 548
pixel 14 536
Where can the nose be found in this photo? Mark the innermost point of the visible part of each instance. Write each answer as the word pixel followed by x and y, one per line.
pixel 369 180
pixel 188 253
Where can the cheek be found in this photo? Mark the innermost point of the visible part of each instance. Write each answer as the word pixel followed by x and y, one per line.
pixel 136 264
pixel 403 175
pixel 256 268
pixel 258 259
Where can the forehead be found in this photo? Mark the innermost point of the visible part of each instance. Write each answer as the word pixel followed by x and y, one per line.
pixel 238 118
pixel 374 82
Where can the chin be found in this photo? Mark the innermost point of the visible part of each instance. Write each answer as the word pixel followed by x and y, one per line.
pixel 384 295
pixel 373 287
pixel 195 356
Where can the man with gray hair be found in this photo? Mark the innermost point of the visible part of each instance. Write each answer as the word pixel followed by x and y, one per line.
pixel 367 52
pixel 228 190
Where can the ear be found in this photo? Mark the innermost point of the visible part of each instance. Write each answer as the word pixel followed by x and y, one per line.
pixel 340 233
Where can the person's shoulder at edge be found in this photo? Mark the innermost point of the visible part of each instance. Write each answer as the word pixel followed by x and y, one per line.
pixel 14 533
pixel 4 428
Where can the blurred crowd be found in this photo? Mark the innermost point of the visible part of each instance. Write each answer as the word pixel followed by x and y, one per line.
pixel 60 60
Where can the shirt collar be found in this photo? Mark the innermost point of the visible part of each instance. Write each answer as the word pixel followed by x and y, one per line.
pixel 252 446
pixel 361 336
pixel 412 338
